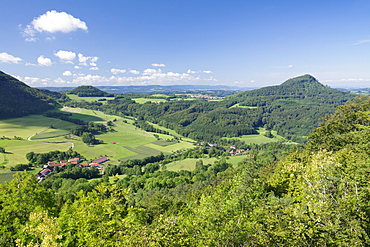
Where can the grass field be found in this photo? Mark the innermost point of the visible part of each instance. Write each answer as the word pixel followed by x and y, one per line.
pixel 88 99
pixel 144 100
pixel 49 134
pixel 243 106
pixel 259 138
pixel 189 164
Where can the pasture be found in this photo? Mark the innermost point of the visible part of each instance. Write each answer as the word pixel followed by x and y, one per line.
pixel 39 134
pixel 88 99
pixel 145 100
pixel 189 164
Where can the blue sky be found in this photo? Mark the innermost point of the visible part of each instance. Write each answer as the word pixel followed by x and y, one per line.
pixel 247 43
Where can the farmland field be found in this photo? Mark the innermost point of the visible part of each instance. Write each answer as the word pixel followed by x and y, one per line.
pixel 48 134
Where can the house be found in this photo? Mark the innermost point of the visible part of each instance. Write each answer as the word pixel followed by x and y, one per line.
pixel 45 172
pixel 74 160
pixel 55 164
pixel 84 164
pixel 101 160
pixel 52 163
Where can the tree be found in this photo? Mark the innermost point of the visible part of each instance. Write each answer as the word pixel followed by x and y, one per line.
pixel 88 138
pixel 2 150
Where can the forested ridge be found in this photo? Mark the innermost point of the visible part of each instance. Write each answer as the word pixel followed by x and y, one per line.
pixel 314 195
pixel 17 99
pixel 293 109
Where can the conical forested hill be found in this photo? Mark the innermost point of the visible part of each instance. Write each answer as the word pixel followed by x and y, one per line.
pixel 18 99
pixel 294 107
pixel 89 91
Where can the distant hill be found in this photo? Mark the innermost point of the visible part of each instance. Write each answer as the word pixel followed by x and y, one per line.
pixel 294 107
pixel 156 88
pixel 89 91
pixel 18 99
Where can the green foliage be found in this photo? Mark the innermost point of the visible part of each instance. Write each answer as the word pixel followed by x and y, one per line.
pixel 20 167
pixel 2 150
pixel 89 91
pixel 17 99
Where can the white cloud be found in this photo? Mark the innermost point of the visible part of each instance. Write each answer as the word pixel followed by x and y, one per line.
pixel 135 72
pixel 77 67
pixel 207 71
pixel 67 73
pixel 117 71
pixel 158 65
pixel 52 22
pixel 65 55
pixel 44 61
pixel 150 71
pixel 59 81
pixel 50 38
pixel 362 42
pixel 7 58
pixel 191 71
pixel 85 60
pixel 94 68
pixel 34 80
pixel 290 66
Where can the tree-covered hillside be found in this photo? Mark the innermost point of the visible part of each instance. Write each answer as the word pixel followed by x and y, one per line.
pixel 293 109
pixel 17 99
pixel 317 195
pixel 89 91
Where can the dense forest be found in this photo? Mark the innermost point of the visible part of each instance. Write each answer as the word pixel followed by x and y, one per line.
pixel 17 99
pixel 293 109
pixel 314 195
pixel 89 91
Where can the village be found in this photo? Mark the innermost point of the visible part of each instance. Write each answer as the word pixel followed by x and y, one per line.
pixel 51 165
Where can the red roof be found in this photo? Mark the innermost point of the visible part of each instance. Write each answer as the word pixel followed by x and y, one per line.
pixel 84 164
pixel 94 164
pixel 45 171
pixel 100 160
pixel 74 160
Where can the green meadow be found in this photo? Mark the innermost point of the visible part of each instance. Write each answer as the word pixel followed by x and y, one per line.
pixel 88 99
pixel 259 138
pixel 243 106
pixel 144 100
pixel 47 134
pixel 189 164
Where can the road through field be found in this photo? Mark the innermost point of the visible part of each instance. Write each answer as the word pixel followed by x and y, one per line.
pixel 30 137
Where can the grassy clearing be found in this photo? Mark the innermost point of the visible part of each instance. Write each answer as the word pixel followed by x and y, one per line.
pixel 259 138
pixel 6 176
pixel 25 126
pixel 172 132
pixel 88 99
pixel 243 106
pixel 189 164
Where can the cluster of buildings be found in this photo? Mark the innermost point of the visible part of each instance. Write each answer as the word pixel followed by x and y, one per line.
pixel 202 96
pixel 63 163
pixel 229 149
